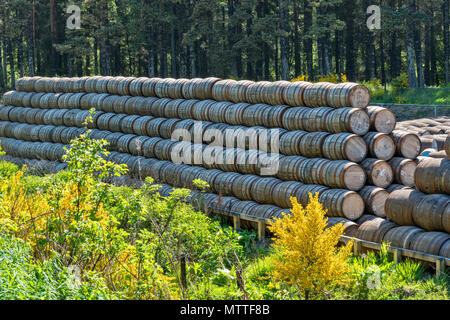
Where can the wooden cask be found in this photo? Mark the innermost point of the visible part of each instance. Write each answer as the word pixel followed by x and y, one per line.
pixel 429 212
pixel 265 211
pixel 344 146
pixel 284 191
pixel 401 237
pixel 429 242
pixel 314 119
pixel 135 87
pixel 289 168
pixel 342 203
pixel 302 194
pixel 381 119
pixel 352 120
pixel 242 186
pixel 438 154
pixel 238 91
pixel 407 144
pixel 290 142
pixel 433 176
pixel 311 171
pixel 316 95
pixel 380 145
pixel 350 227
pixel 311 144
pixel 293 93
pixel 404 170
pixel 339 174
pixel 255 92
pixel 379 172
pixel 400 205
pixel 223 183
pixel 375 229
pixel 262 189
pixel 348 94
pixel 374 199
pixel 273 93
pixel 221 90
pixel 393 187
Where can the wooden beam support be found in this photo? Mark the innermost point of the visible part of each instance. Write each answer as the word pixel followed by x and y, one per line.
pixel 357 247
pixel 440 267
pixel 237 222
pixel 261 230
pixel 397 255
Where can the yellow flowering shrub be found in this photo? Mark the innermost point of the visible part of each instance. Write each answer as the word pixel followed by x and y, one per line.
pixel 308 256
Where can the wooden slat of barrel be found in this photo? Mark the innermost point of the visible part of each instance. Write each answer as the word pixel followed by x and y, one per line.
pixel 393 187
pixel 223 183
pixel 404 170
pixel 342 203
pixel 349 94
pixel 238 91
pixel 429 212
pixel 316 94
pixel 311 171
pixel 379 172
pixel 262 189
pixel 284 191
pixel 315 119
pixel 255 92
pixel 433 176
pixel 400 204
pixel 408 144
pixel 311 144
pixel 374 199
pixel 292 118
pixel 381 119
pixel 290 142
pixel 289 167
pixel 273 93
pixel 429 242
pixel 148 86
pixel 375 230
pixel 293 93
pixel 380 145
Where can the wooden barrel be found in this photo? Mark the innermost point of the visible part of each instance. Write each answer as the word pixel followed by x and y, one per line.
pixel 348 94
pixel 162 87
pixel 344 146
pixel 404 170
pixel 401 237
pixel 26 99
pixel 289 168
pixel 255 92
pixel 123 88
pixel 374 199
pixel 217 111
pixel 429 212
pixel 201 110
pixel 447 146
pixel 4 112
pixel 350 227
pixel 148 147
pixel 292 118
pixel 407 144
pixel 123 143
pixel 253 115
pixel 242 185
pixel 102 121
pixel 221 89
pixel 163 149
pixel 153 125
pixel 314 119
pixel 119 104
pixel 272 117
pixel 283 191
pixel 265 211
pixel 293 93
pixel 112 86
pixel 433 176
pixel 262 189
pixel 273 93
pixel 315 95
pixel 148 87
pixel 342 174
pixel 115 122
pixel 223 183
pixel 393 187
pixel 381 119
pixel 380 145
pixel 290 142
pixel 400 205
pixel 237 91
pixel 310 171
pixel 167 127
pixel 234 114
pixel 375 229
pixel 379 172
pixel 352 120
pixel 429 242
pixel 342 203
pixel 311 144
pixel 135 87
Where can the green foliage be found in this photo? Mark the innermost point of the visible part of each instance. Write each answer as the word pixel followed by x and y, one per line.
pixel 7 169
pixel 23 278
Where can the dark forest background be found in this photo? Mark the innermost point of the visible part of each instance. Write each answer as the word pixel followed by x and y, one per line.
pixel 251 39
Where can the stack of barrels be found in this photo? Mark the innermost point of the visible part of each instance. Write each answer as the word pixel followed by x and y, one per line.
pixel 255 143
pixel 432 132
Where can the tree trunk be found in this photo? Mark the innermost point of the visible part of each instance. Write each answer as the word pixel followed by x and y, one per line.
pixel 11 64
pixel 297 49
pixel 350 61
pixel 54 39
pixel 30 43
pixel 418 53
pixel 410 46
pixel 308 43
pixel 284 42
pixel 446 9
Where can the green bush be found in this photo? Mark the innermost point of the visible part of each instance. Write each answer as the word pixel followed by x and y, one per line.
pixel 7 169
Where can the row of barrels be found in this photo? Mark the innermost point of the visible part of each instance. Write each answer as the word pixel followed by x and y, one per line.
pixel 367 227
pixel 410 207
pixel 376 229
pixel 426 126
pixel 299 93
pixel 379 173
pixel 298 118
pixel 433 176
pixel 339 146
pixel 333 174
pixel 338 202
